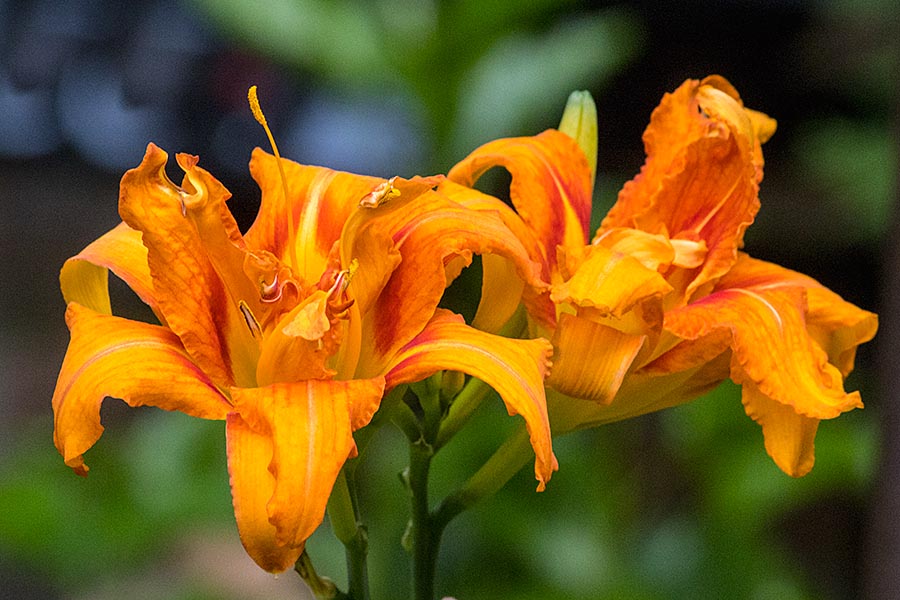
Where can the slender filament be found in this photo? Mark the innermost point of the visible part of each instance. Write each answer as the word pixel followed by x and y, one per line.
pixel 256 109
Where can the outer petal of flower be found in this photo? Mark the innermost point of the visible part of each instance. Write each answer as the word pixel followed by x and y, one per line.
pixel 190 291
pixel 771 347
pixel 252 486
pixel 839 327
pixel 300 435
pixel 83 277
pixel 500 294
pixel 515 368
pixel 835 324
pixel 701 178
pixel 551 185
pixel 591 359
pixel 430 234
pixel 141 364
pixel 789 437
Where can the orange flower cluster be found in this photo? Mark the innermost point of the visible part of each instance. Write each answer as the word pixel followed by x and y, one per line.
pixel 294 331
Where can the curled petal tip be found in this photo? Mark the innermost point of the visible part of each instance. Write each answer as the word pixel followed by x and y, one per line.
pixel 579 122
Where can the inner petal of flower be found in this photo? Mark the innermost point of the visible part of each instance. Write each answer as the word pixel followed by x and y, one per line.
pixel 311 320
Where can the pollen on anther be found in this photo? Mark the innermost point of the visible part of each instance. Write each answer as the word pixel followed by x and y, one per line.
pixel 255 108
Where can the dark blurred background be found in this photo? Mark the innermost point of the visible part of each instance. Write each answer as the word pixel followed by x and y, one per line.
pixel 679 504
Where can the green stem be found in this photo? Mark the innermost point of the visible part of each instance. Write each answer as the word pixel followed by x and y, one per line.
pixel 345 524
pixel 461 410
pixel 321 587
pixel 508 460
pixel 424 538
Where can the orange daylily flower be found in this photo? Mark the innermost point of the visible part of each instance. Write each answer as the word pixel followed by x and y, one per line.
pixel 662 305
pixel 291 332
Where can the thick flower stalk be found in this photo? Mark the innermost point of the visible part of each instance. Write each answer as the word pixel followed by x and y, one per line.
pixel 661 305
pixel 291 332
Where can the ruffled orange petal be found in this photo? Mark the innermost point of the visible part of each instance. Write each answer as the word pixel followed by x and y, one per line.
pixel 701 177
pixel 429 235
pixel 789 437
pixel 501 293
pixel 192 295
pixel 515 368
pixel 299 346
pixel 838 326
pixel 551 185
pixel 141 364
pixel 368 237
pixel 501 282
pixel 286 445
pixel 83 277
pixel 770 347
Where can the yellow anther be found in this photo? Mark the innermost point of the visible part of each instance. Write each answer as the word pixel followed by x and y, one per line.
pixel 255 108
pixel 384 192
pixel 351 270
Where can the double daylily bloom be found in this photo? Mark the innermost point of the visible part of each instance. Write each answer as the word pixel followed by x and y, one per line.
pixel 662 305
pixel 291 332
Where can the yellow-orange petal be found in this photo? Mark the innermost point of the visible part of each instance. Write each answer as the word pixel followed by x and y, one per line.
pixel 140 363
pixel 319 202
pixel 515 368
pixel 700 181
pixel 252 486
pixel 83 277
pixel 789 436
pixel 674 356
pixel 299 346
pixel 502 279
pixel 770 347
pixel 368 236
pixel 309 425
pixel 609 281
pixel 191 293
pixel 591 359
pixel 432 232
pixel 377 257
pixel 838 326
pixel 551 185
pixel 501 293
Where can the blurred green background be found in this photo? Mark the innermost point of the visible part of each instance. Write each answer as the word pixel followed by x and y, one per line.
pixel 679 504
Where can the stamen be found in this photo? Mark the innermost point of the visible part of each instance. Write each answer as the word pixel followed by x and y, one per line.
pixel 256 109
pixel 384 192
pixel 270 292
pixel 351 270
pixel 252 323
pixel 342 280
